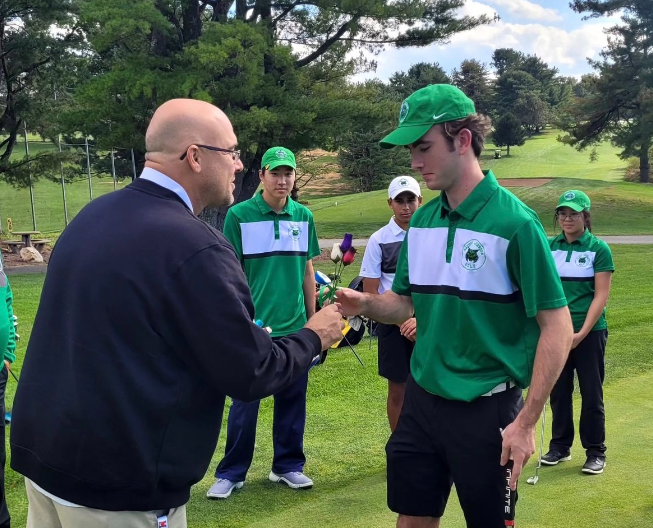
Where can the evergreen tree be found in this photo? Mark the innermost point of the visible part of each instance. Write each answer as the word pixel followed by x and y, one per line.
pixel 508 132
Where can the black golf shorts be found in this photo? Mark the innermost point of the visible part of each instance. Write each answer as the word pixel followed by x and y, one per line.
pixel 394 353
pixel 441 442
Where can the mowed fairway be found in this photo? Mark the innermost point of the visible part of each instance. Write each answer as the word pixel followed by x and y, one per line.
pixel 618 208
pixel 541 157
pixel 347 430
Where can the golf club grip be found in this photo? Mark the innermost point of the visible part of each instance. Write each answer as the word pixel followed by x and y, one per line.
pixel 510 497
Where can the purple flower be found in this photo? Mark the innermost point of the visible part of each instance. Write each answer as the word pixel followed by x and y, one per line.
pixel 346 242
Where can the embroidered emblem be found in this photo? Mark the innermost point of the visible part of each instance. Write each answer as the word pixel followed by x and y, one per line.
pixel 294 232
pixel 584 260
pixel 474 256
pixel 403 112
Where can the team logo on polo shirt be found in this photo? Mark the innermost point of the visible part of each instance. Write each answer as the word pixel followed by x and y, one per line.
pixel 474 256
pixel 294 231
pixel 584 260
pixel 403 112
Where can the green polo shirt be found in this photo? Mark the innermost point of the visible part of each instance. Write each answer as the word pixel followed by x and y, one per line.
pixel 273 249
pixel 577 262
pixel 477 276
pixel 7 329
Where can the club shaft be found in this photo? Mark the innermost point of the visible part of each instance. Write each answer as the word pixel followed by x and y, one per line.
pixel 352 349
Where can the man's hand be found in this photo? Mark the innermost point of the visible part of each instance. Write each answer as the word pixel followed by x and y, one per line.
pixel 518 444
pixel 351 301
pixel 408 329
pixel 328 324
pixel 576 340
pixel 8 365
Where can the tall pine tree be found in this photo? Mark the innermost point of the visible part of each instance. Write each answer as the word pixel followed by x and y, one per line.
pixel 618 104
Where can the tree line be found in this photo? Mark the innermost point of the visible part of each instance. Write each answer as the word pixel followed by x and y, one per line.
pixel 281 70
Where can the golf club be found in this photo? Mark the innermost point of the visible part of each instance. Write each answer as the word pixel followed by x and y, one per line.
pixel 510 497
pixel 533 480
pixel 352 349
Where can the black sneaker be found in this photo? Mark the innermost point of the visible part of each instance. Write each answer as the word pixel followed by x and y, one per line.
pixel 553 457
pixel 594 465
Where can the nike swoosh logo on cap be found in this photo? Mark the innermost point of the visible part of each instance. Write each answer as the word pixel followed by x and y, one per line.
pixel 439 116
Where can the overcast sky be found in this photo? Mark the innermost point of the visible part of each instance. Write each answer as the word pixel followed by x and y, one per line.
pixel 547 28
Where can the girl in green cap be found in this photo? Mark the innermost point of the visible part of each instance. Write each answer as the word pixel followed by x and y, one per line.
pixel 585 266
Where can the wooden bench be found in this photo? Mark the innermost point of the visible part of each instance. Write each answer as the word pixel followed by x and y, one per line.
pixel 40 243
pixel 14 245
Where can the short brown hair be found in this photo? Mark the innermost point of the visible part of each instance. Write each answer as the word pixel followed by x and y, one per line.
pixel 479 125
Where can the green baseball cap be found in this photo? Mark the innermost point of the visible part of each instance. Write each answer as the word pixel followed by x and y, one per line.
pixel 576 200
pixel 436 103
pixel 276 157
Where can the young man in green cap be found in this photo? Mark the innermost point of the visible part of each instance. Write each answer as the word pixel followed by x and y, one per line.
pixel 492 319
pixel 275 240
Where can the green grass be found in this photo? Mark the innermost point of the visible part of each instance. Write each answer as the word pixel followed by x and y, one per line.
pixel 347 431
pixel 618 208
pixel 48 200
pixel 48 195
pixel 543 156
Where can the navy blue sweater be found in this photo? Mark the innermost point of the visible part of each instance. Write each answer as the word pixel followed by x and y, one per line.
pixel 144 325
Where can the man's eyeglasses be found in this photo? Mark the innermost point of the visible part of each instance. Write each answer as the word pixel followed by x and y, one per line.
pixel 235 154
pixel 571 216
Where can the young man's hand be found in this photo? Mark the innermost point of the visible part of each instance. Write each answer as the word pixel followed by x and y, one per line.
pixel 408 329
pixel 328 324
pixel 351 301
pixel 519 445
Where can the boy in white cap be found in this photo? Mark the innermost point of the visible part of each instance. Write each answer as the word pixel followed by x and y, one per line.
pixel 379 263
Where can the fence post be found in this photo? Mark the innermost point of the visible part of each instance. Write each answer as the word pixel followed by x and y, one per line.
pixel 113 169
pixel 29 173
pixel 63 189
pixel 133 165
pixel 88 168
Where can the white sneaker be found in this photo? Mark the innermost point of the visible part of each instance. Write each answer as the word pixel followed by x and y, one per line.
pixel 293 479
pixel 223 488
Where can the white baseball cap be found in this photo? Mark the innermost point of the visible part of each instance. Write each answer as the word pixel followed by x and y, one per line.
pixel 403 184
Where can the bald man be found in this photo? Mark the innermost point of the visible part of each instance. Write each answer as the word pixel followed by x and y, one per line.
pixel 145 324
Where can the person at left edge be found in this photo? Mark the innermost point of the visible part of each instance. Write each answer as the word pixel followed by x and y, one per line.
pixel 8 343
pixel 275 240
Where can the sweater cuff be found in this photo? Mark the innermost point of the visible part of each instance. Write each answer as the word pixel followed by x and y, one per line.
pixel 313 339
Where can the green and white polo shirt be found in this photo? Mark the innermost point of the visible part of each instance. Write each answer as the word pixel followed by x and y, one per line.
pixel 477 276
pixel 273 249
pixel 577 263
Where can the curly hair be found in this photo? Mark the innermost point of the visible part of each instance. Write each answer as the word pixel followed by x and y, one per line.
pixel 479 125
